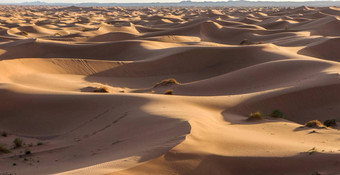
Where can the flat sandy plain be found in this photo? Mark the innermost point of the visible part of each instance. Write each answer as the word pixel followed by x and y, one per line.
pixel 229 62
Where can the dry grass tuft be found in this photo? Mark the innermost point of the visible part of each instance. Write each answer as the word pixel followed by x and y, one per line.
pixel 248 42
pixel 169 92
pixel 312 151
pixel 23 33
pixel 3 149
pixel 255 116
pixel 167 82
pixel 18 143
pixel 101 90
pixel 314 124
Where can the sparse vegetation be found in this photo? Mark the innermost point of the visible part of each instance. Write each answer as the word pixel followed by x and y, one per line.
pixel 312 151
pixel 248 42
pixel 168 92
pixel 23 33
pixel 329 123
pixel 89 29
pixel 314 124
pixel 101 90
pixel 168 82
pixel 28 152
pixel 18 143
pixel 245 42
pixel 315 173
pixel 40 143
pixel 4 134
pixel 277 114
pixel 3 149
pixel 255 116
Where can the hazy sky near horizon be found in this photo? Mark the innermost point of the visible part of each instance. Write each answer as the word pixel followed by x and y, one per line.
pixel 116 1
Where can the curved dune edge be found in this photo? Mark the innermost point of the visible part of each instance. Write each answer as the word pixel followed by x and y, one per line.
pixel 82 87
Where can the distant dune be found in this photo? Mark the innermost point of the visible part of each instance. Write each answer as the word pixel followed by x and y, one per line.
pixel 169 90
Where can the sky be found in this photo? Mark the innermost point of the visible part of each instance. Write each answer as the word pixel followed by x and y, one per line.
pixel 114 1
pixel 81 1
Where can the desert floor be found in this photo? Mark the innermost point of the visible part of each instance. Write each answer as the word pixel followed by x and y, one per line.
pixel 229 62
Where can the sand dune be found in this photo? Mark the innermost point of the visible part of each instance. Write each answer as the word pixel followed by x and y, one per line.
pixel 83 88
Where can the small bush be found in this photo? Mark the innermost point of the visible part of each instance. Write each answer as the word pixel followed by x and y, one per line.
pixel 101 90
pixel 167 82
pixel 28 152
pixel 18 143
pixel 3 149
pixel 40 143
pixel 169 92
pixel 4 134
pixel 314 124
pixel 23 33
pixel 245 42
pixel 255 116
pixel 331 122
pixel 248 42
pixel 312 151
pixel 277 114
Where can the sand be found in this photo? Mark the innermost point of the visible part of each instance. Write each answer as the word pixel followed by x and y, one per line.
pixel 227 63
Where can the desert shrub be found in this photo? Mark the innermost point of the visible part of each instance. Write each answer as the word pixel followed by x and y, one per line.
pixel 312 151
pixel 18 143
pixel 331 122
pixel 314 124
pixel 23 33
pixel 101 90
pixel 248 42
pixel 167 82
pixel 277 114
pixel 245 42
pixel 255 116
pixel 40 143
pixel 4 134
pixel 168 92
pixel 3 149
pixel 27 152
pixel 315 173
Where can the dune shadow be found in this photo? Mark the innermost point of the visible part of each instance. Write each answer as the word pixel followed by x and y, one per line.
pixel 302 163
pixel 114 120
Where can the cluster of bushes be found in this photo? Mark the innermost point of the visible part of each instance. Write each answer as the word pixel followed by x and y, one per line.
pixel 17 143
pixel 278 114
pixel 259 116
pixel 318 124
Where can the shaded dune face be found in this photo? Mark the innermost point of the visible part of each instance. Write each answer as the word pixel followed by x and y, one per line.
pixel 111 90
